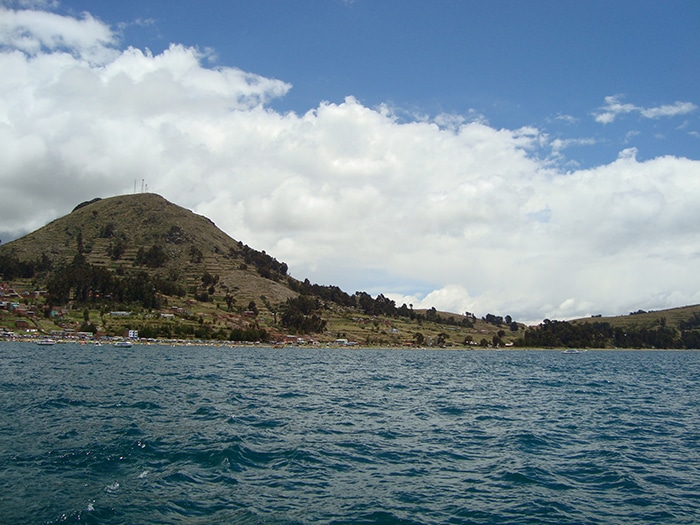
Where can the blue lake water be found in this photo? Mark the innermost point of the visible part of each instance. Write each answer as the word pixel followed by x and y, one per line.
pixel 202 435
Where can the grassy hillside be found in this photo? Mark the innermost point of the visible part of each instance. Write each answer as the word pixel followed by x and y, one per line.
pixel 143 236
pixel 179 276
pixel 672 317
pixel 110 232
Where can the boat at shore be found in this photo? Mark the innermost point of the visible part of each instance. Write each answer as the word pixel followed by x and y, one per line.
pixel 123 344
pixel 46 342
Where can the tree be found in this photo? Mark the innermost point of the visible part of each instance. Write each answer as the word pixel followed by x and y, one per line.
pixel 87 326
pixel 154 257
pixel 196 255
pixel 108 230
pixel 117 248
pixel 207 279
pixel 299 314
pixel 496 320
pixel 272 309
pixel 81 246
pixel 202 297
pixel 230 301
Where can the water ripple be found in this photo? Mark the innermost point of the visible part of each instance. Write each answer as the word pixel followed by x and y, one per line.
pixel 219 435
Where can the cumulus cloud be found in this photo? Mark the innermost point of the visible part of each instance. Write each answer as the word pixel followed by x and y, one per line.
pixel 33 31
pixel 558 144
pixel 447 211
pixel 614 107
pixel 669 110
pixel 568 119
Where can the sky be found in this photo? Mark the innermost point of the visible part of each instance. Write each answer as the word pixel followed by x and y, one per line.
pixel 536 159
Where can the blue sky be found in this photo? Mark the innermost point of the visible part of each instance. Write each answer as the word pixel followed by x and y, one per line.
pixel 536 159
pixel 541 63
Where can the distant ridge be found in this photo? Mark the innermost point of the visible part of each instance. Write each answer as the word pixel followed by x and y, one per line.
pixel 673 317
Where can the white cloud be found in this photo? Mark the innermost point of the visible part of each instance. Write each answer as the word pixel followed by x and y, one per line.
pixel 630 135
pixel 446 212
pixel 31 4
pixel 568 119
pixel 558 145
pixel 35 31
pixel 671 110
pixel 614 107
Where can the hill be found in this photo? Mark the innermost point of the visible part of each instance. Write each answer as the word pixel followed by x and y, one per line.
pixel 664 329
pixel 120 233
pixel 172 273
pixel 672 317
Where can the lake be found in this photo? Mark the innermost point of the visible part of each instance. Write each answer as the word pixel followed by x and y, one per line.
pixel 208 435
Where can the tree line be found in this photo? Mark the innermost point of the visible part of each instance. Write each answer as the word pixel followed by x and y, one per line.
pixel 12 268
pixel 380 305
pixel 563 334
pixel 83 282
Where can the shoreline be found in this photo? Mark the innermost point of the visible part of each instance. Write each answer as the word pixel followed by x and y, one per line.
pixel 232 344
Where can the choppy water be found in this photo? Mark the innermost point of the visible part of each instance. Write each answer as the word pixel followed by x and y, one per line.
pixel 218 435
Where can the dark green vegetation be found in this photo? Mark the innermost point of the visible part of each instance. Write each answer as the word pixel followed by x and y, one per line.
pixel 140 262
pixel 675 328
pixel 177 275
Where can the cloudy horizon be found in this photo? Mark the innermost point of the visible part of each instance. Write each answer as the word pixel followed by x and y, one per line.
pixel 430 208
